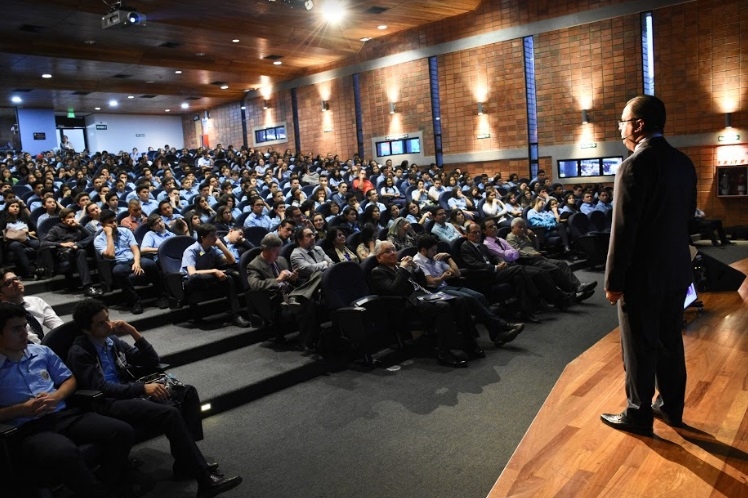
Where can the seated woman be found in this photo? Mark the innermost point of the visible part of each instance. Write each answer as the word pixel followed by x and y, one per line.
pixel 401 234
pixel 459 200
pixel 421 195
pixel 416 215
pixel 494 208
pixel 570 206
pixel 334 212
pixel 539 217
pixel 334 246
pixel 223 220
pixel 320 226
pixel 192 219
pixel 368 243
pixel 19 233
pixel 389 192
pixel 372 216
pixel 348 221
pixel 457 218
pixel 203 209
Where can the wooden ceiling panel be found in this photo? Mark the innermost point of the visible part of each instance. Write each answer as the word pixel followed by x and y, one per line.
pixel 65 38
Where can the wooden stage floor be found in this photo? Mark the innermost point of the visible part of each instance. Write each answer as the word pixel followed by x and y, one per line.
pixel 567 451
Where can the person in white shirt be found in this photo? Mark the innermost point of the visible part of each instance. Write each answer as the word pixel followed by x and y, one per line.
pixel 12 290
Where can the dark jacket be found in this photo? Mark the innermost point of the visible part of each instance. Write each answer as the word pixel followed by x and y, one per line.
pixel 132 362
pixel 64 233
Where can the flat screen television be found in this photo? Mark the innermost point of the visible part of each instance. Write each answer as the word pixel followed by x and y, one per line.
pixel 588 167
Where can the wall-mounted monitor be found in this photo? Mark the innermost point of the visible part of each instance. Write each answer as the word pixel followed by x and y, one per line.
pixel 588 167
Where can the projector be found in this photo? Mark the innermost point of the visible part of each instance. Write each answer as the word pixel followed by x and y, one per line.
pixel 123 18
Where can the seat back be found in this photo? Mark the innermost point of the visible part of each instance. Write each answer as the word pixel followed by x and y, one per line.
pixel 45 226
pixel 170 253
pixel 255 234
pixel 61 338
pixel 579 225
pixel 140 233
pixel 343 283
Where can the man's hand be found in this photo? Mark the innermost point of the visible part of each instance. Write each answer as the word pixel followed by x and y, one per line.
pixel 442 256
pixel 613 297
pixel 67 244
pixel 501 265
pixel 157 391
pixel 121 327
pixel 107 230
pixel 136 269
pixel 220 274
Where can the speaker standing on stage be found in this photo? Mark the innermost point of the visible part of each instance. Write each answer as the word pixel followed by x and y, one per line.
pixel 649 266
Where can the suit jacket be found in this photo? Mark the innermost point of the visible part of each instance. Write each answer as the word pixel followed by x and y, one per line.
pixel 260 277
pixel 388 281
pixel 140 359
pixel 475 257
pixel 305 264
pixel 654 198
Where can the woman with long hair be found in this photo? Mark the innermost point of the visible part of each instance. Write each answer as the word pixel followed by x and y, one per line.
pixel 223 220
pixel 372 216
pixel 320 226
pixel 457 219
pixel 415 214
pixel 494 208
pixel 20 236
pixel 203 209
pixel 368 243
pixel 349 220
pixel 192 218
pixel 335 248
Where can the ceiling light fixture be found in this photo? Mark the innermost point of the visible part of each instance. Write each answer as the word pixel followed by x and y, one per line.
pixel 46 76
pixel 224 87
pixel 364 39
pixel 382 27
pixel 277 63
pixel 16 99
pixel 113 103
pixel 177 72
pixel 131 96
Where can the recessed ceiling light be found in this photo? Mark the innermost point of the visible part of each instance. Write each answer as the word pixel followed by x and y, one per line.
pixel 382 26
pixel 200 54
pixel 224 87
pixel 97 108
pixel 89 42
pixel 113 103
pixel 235 40
pixel 185 105
pixel 16 99
pixel 177 72
pixel 167 110
pixel 364 39
pixel 277 63
pixel 46 76
pixel 131 96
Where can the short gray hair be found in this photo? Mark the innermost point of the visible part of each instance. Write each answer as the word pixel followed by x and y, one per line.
pixel 380 245
pixel 518 220
pixel 270 241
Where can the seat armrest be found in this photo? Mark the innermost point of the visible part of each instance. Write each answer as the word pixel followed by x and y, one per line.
pixel 7 431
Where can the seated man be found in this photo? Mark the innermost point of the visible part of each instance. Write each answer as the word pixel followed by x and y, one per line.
pixel 118 244
pixel 93 211
pixel 526 254
pixel 269 273
pixel 307 257
pixel 35 384
pixel 713 227
pixel 235 242
pixel 450 317
pixel 205 264
pixel 166 210
pixel 527 285
pixel 258 218
pixel 102 361
pixel 39 314
pixel 155 236
pixel 69 241
pixel 548 223
pixel 135 216
pixel 439 268
pixel 446 232
pixel 285 230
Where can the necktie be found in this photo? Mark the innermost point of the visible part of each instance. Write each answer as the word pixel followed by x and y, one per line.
pixel 311 255
pixel 34 324
pixel 274 267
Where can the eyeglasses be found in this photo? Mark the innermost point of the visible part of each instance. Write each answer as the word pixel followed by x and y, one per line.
pixel 10 281
pixel 623 122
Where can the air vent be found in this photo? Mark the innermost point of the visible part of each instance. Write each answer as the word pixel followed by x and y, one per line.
pixel 148 96
pixel 81 92
pixel 122 76
pixel 170 45
pixel 218 83
pixel 31 28
pixel 273 57
pixel 22 90
pixel 376 10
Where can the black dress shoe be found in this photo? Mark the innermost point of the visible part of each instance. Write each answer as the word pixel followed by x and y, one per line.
pixel 586 286
pixel 162 303
pixel 508 334
pixel 620 422
pixel 449 359
pixel 530 318
pixel 137 308
pixel 474 352
pixel 671 421
pixel 215 485
pixel 92 291
pixel 581 296
pixel 240 321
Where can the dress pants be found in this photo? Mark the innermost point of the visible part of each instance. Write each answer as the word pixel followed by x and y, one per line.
pixel 49 445
pixel 559 271
pixel 124 276
pixel 478 306
pixel 524 288
pixel 451 319
pixel 228 286
pixel 545 285
pixel 181 426
pixel 78 259
pixel 653 353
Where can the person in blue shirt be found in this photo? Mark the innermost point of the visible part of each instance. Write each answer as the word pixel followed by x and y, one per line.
pixel 155 236
pixel 118 244
pixel 34 383
pixel 102 361
pixel 258 218
pixel 209 264
pixel 446 232
pixel 603 202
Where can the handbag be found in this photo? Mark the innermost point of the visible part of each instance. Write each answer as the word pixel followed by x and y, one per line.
pixel 17 234
pixel 177 389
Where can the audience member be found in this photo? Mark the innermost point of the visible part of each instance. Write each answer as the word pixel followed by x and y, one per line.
pixel 401 234
pixel 308 258
pixel 39 314
pixel 100 360
pixel 446 232
pixel 135 216
pixel 335 247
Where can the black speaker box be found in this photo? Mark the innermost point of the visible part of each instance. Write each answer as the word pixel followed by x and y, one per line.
pixel 719 276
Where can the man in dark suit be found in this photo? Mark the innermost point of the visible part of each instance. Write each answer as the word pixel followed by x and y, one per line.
pixel 269 273
pixel 450 316
pixel 649 266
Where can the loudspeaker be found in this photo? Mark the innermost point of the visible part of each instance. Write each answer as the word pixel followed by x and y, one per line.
pixel 720 277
